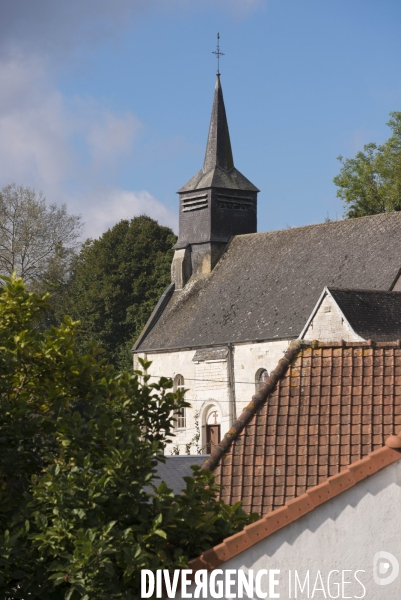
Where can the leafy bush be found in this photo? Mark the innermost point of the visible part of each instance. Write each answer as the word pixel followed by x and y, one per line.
pixel 80 511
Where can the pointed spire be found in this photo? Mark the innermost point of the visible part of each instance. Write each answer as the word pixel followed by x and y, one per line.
pixel 218 168
pixel 218 149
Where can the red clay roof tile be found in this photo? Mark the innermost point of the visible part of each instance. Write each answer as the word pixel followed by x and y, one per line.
pixel 294 509
pixel 326 406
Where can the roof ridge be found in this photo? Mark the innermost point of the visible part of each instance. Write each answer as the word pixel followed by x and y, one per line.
pixel 301 505
pixel 331 223
pixel 344 344
pixel 258 400
pixel 362 290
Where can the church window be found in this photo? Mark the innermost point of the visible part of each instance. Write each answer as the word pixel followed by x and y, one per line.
pixel 181 415
pixel 260 378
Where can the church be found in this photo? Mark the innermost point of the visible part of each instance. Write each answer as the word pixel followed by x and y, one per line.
pixel 238 298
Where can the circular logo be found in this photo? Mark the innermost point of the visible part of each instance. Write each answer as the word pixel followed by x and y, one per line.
pixel 385 568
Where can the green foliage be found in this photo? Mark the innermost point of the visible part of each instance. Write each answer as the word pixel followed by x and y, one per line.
pixel 116 282
pixel 80 511
pixel 370 183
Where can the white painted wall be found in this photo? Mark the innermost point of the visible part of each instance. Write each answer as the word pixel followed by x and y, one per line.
pixel 207 382
pixel 345 533
pixel 329 324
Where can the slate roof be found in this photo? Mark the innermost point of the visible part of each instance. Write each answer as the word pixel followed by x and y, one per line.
pixel 371 314
pixel 175 469
pixel 333 404
pixel 266 285
pixel 218 169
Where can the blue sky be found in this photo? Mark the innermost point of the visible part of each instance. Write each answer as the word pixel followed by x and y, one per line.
pixel 105 105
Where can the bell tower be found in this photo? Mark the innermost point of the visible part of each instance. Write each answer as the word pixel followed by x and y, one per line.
pixel 216 204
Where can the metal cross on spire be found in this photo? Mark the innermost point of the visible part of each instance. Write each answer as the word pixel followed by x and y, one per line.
pixel 218 54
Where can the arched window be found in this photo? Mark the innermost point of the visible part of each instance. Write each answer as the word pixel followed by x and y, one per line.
pixel 260 378
pixel 181 415
pixel 212 422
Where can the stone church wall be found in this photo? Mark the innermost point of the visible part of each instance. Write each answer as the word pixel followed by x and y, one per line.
pixel 248 360
pixel 207 382
pixel 329 325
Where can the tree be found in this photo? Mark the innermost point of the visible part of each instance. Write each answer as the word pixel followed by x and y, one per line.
pixel 116 282
pixel 36 240
pixel 370 183
pixel 80 511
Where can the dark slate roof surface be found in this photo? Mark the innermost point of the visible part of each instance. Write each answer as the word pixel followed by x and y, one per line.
pixel 218 178
pixel 372 314
pixel 266 285
pixel 175 468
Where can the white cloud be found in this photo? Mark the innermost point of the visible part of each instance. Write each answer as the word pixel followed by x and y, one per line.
pixel 55 28
pixel 72 148
pixel 111 136
pixel 38 133
pixel 33 126
pixel 114 204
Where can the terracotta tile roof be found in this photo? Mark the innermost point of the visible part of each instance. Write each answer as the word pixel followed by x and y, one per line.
pixel 303 504
pixel 333 405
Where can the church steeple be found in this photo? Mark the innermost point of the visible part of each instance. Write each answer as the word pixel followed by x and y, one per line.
pixel 216 204
pixel 218 168
pixel 218 149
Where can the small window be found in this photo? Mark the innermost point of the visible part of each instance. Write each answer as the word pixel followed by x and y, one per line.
pixel 179 383
pixel 181 415
pixel 260 378
pixel 181 418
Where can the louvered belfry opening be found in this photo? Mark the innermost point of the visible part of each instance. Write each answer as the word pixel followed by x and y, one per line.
pixel 215 205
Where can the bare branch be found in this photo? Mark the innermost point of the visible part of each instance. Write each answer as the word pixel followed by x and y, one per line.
pixel 33 234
